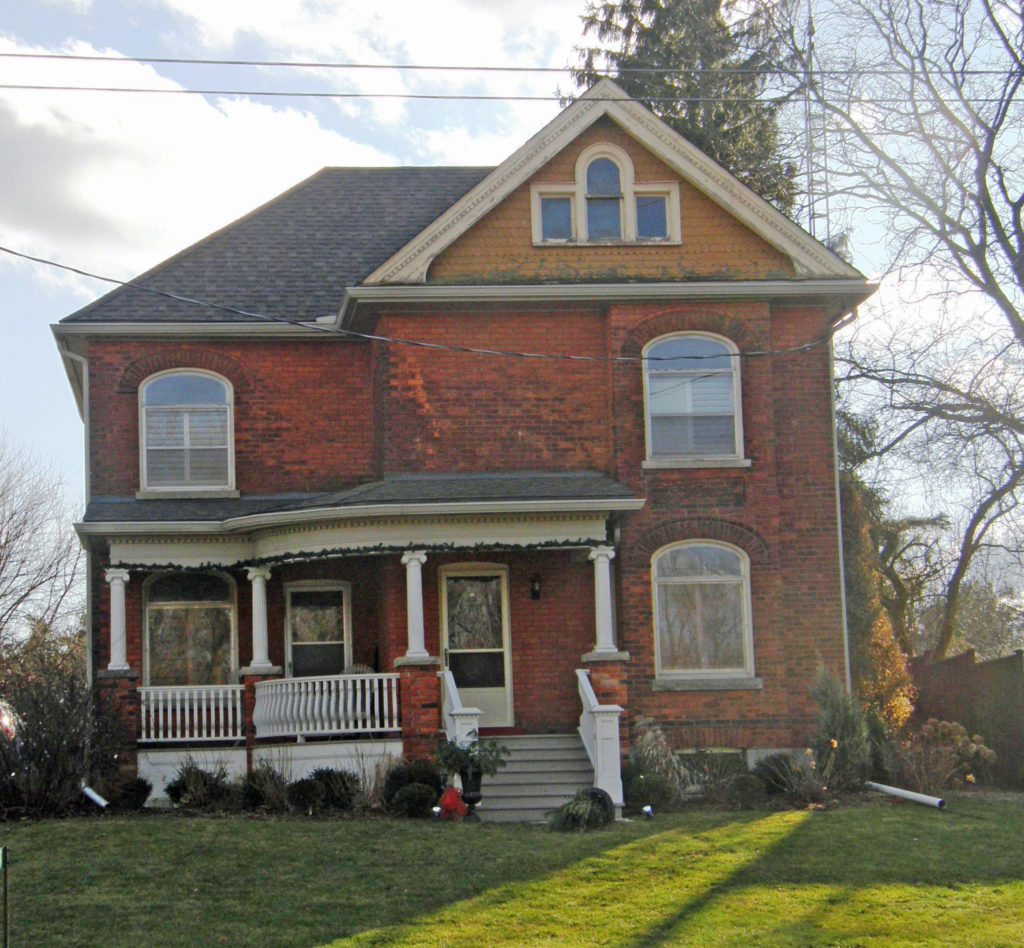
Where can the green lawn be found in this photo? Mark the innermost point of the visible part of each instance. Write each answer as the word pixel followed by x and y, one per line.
pixel 859 875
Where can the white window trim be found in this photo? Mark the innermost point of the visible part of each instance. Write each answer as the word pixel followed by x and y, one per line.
pixel 232 602
pixel 733 458
pixel 187 490
pixel 576 191
pixel 731 675
pixel 317 585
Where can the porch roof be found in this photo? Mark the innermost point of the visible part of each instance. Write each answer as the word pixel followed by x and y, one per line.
pixel 397 493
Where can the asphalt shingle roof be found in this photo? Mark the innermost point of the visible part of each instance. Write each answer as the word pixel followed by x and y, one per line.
pixel 294 256
pixel 527 486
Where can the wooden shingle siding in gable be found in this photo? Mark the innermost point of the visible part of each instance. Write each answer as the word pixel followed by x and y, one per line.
pixel 500 249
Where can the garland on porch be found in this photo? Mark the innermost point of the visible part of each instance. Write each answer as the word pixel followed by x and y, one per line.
pixel 376 549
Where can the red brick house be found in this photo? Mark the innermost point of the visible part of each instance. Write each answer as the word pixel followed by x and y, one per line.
pixel 540 448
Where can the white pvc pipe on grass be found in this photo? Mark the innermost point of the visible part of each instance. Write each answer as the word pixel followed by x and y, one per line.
pixel 908 795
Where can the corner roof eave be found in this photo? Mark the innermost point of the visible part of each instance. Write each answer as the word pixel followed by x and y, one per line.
pixel 237 525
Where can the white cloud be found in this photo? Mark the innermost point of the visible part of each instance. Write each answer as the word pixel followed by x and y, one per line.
pixel 116 183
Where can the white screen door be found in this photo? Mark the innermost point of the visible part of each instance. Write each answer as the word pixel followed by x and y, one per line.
pixel 475 627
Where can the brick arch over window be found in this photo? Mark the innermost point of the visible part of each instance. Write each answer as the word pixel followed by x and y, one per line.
pixel 700 528
pixel 184 358
pixel 674 321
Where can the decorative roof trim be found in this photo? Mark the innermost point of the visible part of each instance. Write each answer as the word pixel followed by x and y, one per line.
pixel 810 258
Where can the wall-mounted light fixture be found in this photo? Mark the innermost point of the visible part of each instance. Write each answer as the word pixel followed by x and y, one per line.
pixel 535 586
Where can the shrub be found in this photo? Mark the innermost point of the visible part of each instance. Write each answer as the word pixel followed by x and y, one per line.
pixel 306 795
pixel 589 809
pixel 415 801
pixel 938 756
pixel 711 771
pixel 341 787
pixel 841 746
pixel 403 773
pixel 59 735
pixel 194 788
pixel 133 794
pixel 744 791
pixel 775 772
pixel 652 756
pixel 795 777
pixel 265 788
pixel 640 790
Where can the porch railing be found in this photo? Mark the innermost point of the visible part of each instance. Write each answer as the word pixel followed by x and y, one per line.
pixel 460 724
pixel 319 707
pixel 191 713
pixel 599 728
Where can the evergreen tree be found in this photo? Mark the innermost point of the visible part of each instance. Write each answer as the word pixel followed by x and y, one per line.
pixel 702 69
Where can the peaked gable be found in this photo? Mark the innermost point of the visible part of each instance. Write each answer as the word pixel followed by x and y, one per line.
pixel 809 258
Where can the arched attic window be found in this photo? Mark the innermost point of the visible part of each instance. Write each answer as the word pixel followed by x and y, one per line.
pixel 186 431
pixel 605 204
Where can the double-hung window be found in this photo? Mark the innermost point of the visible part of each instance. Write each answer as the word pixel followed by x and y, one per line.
pixel 186 426
pixel 693 397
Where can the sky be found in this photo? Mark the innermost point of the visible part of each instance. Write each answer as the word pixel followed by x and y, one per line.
pixel 113 183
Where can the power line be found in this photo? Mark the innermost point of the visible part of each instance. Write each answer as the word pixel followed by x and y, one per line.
pixel 430 67
pixel 447 347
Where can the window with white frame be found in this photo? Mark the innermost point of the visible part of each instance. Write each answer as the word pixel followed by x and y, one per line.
pixel 318 620
pixel 692 396
pixel 702 610
pixel 605 204
pixel 190 629
pixel 186 431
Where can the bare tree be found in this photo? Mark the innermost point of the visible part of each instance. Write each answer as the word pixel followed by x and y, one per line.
pixel 923 116
pixel 40 556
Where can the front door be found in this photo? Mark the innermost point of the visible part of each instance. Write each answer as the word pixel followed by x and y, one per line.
pixel 475 630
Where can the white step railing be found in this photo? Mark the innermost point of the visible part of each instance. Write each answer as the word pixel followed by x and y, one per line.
pixel 461 724
pixel 191 713
pixel 316 707
pixel 599 728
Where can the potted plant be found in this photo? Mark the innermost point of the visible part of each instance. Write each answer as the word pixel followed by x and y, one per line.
pixel 471 760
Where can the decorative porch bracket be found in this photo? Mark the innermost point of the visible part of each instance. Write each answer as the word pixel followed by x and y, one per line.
pixel 599 728
pixel 460 724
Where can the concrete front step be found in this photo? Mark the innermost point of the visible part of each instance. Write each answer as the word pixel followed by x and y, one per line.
pixel 543 771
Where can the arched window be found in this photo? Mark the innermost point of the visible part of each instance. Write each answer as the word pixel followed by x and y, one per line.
pixel 190 637
pixel 605 204
pixel 692 389
pixel 702 610
pixel 186 431
pixel 604 200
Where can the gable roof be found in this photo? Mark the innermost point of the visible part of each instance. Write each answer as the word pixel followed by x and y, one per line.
pixel 298 252
pixel 810 258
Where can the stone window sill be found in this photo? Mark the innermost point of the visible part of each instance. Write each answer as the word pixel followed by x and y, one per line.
pixel 665 683
pixel 656 464
pixel 181 494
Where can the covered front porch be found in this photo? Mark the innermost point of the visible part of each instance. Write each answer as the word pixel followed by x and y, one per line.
pixel 391 626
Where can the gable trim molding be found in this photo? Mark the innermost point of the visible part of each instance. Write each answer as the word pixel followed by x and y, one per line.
pixel 810 258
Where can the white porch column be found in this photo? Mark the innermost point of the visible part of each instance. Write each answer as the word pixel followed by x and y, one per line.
pixel 258 576
pixel 601 557
pixel 117 578
pixel 413 562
